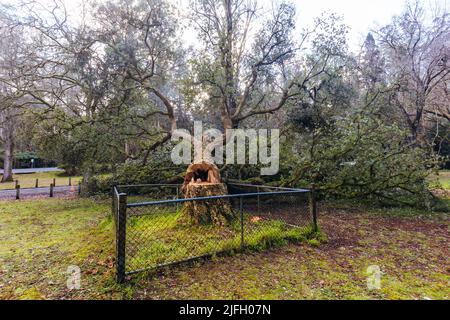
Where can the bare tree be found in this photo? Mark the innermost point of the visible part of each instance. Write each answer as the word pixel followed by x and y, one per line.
pixel 11 99
pixel 417 52
pixel 7 125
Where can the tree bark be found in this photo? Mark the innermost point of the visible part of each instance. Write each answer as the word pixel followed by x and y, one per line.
pixel 8 145
pixel 214 211
pixel 228 105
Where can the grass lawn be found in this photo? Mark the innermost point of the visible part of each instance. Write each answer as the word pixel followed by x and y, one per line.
pixel 162 237
pixel 40 239
pixel 45 179
pixel 441 180
pixel 444 178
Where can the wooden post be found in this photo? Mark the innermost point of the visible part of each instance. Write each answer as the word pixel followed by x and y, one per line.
pixel 51 190
pixel 54 182
pixel 70 181
pixel 313 206
pixel 17 192
pixel 121 228
pixel 79 188
pixel 37 183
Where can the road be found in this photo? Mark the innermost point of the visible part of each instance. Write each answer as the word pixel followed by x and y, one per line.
pixel 33 170
pixel 42 192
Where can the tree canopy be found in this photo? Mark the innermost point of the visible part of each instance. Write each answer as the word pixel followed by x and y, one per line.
pixel 105 88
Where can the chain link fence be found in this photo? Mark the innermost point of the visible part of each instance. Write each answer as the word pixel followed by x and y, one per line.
pixel 153 229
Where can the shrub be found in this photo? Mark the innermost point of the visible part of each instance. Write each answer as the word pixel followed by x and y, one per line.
pixel 133 173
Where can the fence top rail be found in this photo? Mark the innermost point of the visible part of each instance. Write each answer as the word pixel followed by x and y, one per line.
pixel 39 188
pixel 116 192
pixel 264 186
pixel 148 185
pixel 180 184
pixel 238 195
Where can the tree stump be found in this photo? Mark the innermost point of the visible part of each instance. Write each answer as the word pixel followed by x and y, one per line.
pixel 203 180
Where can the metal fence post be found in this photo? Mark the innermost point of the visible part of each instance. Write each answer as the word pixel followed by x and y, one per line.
pixel 113 202
pixel 241 212
pixel 17 192
pixel 313 206
pixel 178 196
pixel 121 237
pixel 257 190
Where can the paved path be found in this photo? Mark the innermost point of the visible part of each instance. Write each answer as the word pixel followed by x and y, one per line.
pixel 33 170
pixel 42 192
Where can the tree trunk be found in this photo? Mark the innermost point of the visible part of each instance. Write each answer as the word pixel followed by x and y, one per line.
pixel 228 105
pixel 87 174
pixel 8 138
pixel 214 211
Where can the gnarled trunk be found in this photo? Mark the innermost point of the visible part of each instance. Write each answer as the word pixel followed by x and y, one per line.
pixel 203 180
pixel 211 211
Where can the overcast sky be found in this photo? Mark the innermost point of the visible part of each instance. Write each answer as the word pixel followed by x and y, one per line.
pixel 359 15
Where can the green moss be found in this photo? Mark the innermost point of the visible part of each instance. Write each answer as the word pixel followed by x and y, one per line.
pixel 314 242
pixel 160 238
pixel 31 294
pixel 42 238
pixel 39 239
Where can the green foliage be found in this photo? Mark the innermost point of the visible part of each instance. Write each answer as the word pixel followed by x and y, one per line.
pixel 86 145
pixel 156 171
pixel 356 154
pixel 25 155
